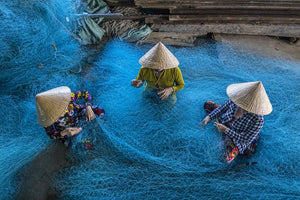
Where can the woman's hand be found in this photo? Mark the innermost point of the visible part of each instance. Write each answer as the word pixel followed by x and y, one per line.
pixel 71 131
pixel 165 93
pixel 206 120
pixel 221 127
pixel 136 83
pixel 89 114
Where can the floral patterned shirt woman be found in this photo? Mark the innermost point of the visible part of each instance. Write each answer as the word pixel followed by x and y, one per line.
pixel 72 115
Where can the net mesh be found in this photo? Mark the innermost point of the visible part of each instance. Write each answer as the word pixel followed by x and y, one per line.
pixel 38 52
pixel 148 149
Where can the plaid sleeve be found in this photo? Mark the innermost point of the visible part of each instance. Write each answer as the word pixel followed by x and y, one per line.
pixel 216 112
pixel 243 139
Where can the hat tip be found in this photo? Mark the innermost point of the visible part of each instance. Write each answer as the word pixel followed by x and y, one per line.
pixel 160 43
pixel 38 97
pixel 259 84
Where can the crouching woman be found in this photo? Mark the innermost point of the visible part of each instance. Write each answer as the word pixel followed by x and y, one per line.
pixel 241 117
pixel 59 114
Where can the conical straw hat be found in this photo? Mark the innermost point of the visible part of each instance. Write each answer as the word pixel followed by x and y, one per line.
pixel 159 57
pixel 50 105
pixel 250 96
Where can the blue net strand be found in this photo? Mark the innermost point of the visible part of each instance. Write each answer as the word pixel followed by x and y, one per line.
pixel 144 148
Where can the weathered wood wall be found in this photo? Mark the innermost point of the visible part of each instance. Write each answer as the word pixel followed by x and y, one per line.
pixel 181 22
pixel 228 11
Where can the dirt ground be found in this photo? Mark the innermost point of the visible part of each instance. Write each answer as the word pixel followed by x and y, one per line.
pixel 264 45
pixel 37 174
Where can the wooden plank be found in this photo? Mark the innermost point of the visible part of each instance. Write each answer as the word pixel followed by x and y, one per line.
pixel 280 30
pixel 226 6
pixel 239 6
pixel 151 19
pixel 254 17
pixel 274 7
pixel 221 4
pixel 216 2
pixel 238 18
pixel 233 12
pixel 209 1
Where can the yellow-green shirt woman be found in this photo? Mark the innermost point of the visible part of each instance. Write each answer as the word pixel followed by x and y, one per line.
pixel 160 71
pixel 168 80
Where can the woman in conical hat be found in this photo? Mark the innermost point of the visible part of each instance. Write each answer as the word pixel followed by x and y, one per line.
pixel 160 71
pixel 58 113
pixel 241 117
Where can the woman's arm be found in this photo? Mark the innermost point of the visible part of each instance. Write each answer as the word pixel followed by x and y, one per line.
pixel 54 131
pixel 140 75
pixel 139 81
pixel 59 132
pixel 216 112
pixel 178 80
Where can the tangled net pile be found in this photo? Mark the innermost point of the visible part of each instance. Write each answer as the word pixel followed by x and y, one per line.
pixel 38 52
pixel 144 148
pixel 147 149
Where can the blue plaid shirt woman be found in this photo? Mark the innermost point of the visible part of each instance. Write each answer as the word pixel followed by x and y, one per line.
pixel 243 130
pixel 241 117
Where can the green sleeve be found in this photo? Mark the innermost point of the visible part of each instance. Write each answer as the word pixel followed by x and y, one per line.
pixel 140 75
pixel 178 80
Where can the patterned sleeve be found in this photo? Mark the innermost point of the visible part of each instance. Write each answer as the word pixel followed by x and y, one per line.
pixel 216 112
pixel 243 139
pixel 81 95
pixel 53 131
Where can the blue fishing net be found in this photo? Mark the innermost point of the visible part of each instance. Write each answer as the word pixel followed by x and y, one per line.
pixel 37 53
pixel 151 149
pixel 144 148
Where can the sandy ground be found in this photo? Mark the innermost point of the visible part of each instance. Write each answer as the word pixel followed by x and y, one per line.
pixel 263 45
pixel 38 173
